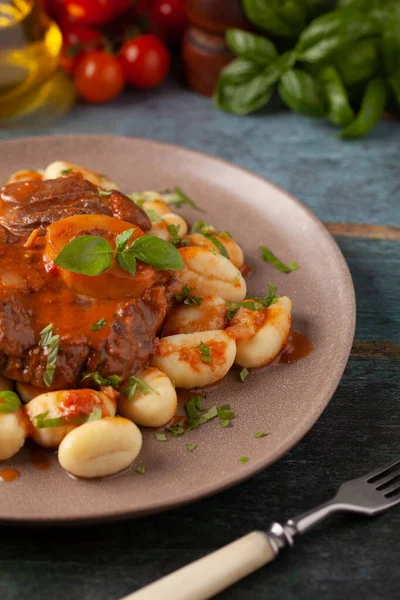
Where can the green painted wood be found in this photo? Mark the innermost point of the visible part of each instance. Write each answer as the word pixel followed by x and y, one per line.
pixel 349 558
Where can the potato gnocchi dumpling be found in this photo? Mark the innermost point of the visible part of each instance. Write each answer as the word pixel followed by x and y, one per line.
pixel 13 431
pixel 157 205
pixel 163 229
pixel 233 249
pixel 210 274
pixel 100 448
pixel 61 168
pixel 264 344
pixel 208 315
pixel 66 405
pixel 26 175
pixel 150 408
pixel 194 360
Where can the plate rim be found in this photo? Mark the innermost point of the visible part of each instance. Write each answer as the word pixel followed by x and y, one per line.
pixel 252 469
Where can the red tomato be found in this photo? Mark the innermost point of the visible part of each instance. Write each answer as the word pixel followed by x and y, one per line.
pixel 54 8
pixel 90 12
pixel 99 77
pixel 78 40
pixel 122 6
pixel 169 19
pixel 145 61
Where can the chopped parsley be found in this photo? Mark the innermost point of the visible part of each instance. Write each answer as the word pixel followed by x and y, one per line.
pixel 112 380
pixel 95 415
pixel 50 343
pixel 205 353
pixel 141 469
pixel 42 422
pixel 244 373
pixel 260 434
pixel 196 416
pixel 210 232
pixel 191 447
pixel 160 437
pixel 104 192
pixel 133 384
pixel 177 197
pixel 253 304
pixel 174 231
pixel 185 297
pixel 100 323
pixel 177 429
pixel 9 402
pixel 244 459
pixel 66 171
pixel 153 216
pixel 269 257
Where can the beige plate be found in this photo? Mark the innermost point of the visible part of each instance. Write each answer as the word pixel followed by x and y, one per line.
pixel 284 401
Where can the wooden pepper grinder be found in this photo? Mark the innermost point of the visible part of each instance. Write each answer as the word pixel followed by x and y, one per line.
pixel 205 52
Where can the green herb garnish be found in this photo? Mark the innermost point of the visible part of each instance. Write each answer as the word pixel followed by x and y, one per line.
pixel 160 437
pixel 185 297
pixel 9 402
pixel 174 231
pixel 177 197
pixel 244 459
pixel 100 323
pixel 205 353
pixel 112 380
pixel 260 434
pixel 104 192
pixel 273 260
pixel 255 304
pixel 244 373
pixel 41 422
pixel 50 343
pixel 95 415
pixel 92 255
pixel 191 447
pixel 133 384
pixel 177 429
pixel 66 171
pixel 209 232
pixel 141 469
pixel 153 216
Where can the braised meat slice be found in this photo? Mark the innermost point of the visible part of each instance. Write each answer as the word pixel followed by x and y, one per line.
pixel 27 205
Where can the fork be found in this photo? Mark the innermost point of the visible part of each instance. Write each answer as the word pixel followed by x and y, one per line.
pixel 368 495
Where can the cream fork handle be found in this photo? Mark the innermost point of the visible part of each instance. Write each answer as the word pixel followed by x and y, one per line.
pixel 208 576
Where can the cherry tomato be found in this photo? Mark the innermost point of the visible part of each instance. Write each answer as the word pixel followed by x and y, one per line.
pixel 54 8
pixel 169 19
pixel 78 40
pixel 99 77
pixel 122 6
pixel 90 12
pixel 145 61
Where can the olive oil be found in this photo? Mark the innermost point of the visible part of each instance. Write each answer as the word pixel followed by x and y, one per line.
pixel 30 45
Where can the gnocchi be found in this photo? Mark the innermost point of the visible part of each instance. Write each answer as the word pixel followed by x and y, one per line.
pixel 266 338
pixel 195 360
pixel 13 431
pixel 206 316
pixel 66 406
pixel 162 228
pixel 100 448
pixel 154 407
pixel 233 249
pixel 61 168
pixel 210 274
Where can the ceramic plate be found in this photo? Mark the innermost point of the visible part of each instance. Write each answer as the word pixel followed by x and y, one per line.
pixel 283 401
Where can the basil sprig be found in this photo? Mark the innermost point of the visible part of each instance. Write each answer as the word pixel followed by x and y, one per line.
pixel 50 342
pixel 9 402
pixel 342 61
pixel 92 255
pixel 269 257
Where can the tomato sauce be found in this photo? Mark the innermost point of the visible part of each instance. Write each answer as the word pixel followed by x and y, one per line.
pixel 298 347
pixel 9 475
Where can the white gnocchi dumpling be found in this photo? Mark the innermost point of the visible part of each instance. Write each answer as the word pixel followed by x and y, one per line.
pixel 266 338
pixel 154 407
pixel 100 448
pixel 233 249
pixel 26 175
pixel 66 405
pixel 13 432
pixel 206 316
pixel 160 228
pixel 62 168
pixel 27 392
pixel 194 360
pixel 211 274
pixel 156 204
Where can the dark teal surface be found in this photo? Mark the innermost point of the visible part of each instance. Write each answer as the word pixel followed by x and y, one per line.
pixel 353 182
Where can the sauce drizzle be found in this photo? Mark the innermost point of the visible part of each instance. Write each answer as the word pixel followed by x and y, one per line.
pixel 298 346
pixel 9 475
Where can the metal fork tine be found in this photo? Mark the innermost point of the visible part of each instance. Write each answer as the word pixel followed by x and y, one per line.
pixel 392 488
pixel 378 473
pixel 383 484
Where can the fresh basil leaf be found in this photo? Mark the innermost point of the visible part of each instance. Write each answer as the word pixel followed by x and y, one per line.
pixel 205 353
pixel 122 239
pixel 269 257
pixel 9 402
pixel 390 45
pixel 316 8
pixel 104 192
pixel 302 93
pixel 244 373
pixel 260 434
pixel 191 447
pixel 371 111
pixel 112 380
pixel 218 244
pixel 244 459
pixel 95 415
pixel 177 197
pixel 285 18
pixel 174 231
pixel 140 469
pixel 326 34
pixel 153 216
pixel 157 253
pixel 100 323
pixel 87 255
pixel 127 261
pixel 50 343
pixel 394 82
pixel 137 382
pixel 251 46
pixel 66 171
pixel 240 70
pixel 160 437
pixel 357 61
pixel 185 297
pixel 339 109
